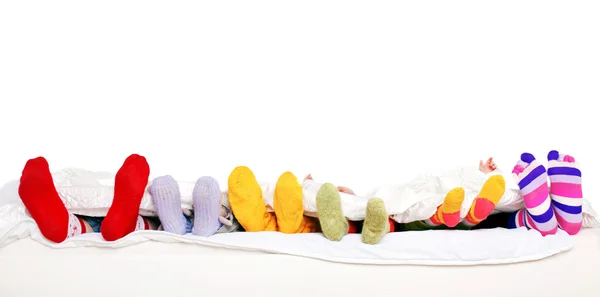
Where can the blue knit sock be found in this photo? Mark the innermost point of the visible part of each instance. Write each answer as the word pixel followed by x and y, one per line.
pixel 167 200
pixel 207 206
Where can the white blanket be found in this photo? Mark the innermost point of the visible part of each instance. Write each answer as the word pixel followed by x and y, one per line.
pixel 496 246
pixel 90 193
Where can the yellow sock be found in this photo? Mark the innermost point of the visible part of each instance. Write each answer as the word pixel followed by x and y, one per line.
pixel 486 200
pixel 449 212
pixel 287 203
pixel 247 203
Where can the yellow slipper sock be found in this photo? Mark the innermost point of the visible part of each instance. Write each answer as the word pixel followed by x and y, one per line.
pixel 334 224
pixel 287 203
pixel 376 223
pixel 486 200
pixel 247 203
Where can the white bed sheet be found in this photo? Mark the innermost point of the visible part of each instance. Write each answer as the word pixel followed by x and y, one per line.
pixel 29 268
pixel 449 247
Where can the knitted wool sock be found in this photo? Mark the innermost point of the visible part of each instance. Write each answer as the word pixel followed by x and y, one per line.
pixel 486 200
pixel 331 217
pixel 207 206
pixel 38 193
pixel 167 200
pixel 288 205
pixel 247 203
pixel 565 191
pixel 130 183
pixel 376 223
pixel 538 213
pixel 449 212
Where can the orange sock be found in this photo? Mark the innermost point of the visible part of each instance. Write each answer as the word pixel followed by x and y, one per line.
pixel 449 212
pixel 486 200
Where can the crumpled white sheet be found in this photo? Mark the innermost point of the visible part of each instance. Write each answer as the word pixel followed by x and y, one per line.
pixel 90 193
pixel 449 247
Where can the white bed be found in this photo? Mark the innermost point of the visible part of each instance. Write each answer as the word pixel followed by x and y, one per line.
pixel 154 263
pixel 29 268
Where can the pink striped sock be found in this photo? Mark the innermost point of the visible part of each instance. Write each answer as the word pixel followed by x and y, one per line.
pixel 565 191
pixel 538 213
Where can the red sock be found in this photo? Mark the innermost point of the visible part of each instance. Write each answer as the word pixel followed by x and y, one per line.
pixel 130 183
pixel 352 227
pixel 39 195
pixel 392 225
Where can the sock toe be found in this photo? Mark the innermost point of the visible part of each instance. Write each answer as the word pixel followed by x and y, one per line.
pixel 527 157
pixel 553 155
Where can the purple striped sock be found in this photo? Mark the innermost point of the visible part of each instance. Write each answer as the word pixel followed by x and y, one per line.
pixel 565 191
pixel 533 182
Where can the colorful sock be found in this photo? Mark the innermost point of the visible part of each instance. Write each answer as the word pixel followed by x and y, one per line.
pixel 565 191
pixel 533 182
pixel 167 200
pixel 130 184
pixel 247 203
pixel 79 226
pixel 141 224
pixel 288 205
pixel 449 212
pixel 207 206
pixel 376 223
pixel 487 199
pixel 331 217
pixel 38 193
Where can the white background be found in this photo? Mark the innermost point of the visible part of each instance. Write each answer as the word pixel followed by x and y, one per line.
pixel 357 93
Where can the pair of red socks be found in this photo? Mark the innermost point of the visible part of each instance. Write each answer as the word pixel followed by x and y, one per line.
pixel 41 199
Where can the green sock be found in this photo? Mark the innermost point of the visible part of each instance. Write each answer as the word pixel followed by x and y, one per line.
pixel 376 223
pixel 334 224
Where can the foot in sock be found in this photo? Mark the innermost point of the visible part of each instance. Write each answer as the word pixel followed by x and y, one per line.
pixel 565 191
pixel 331 217
pixel 207 206
pixel 247 203
pixel 449 212
pixel 167 200
pixel 130 183
pixel 39 195
pixel 485 202
pixel 287 201
pixel 376 223
pixel 538 214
